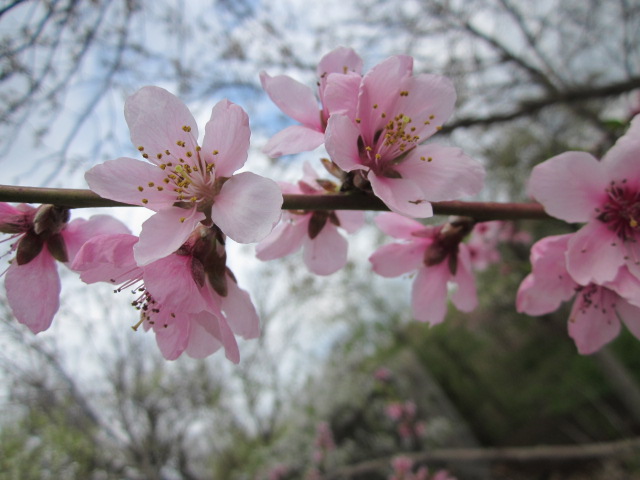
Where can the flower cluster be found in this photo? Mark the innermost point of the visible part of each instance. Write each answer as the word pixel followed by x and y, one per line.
pixel 600 263
pixel 374 127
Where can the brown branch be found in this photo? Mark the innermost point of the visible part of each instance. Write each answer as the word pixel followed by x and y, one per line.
pixel 542 453
pixel 76 198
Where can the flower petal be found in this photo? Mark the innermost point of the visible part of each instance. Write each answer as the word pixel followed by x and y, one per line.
pixel 122 179
pixel 227 132
pixel 570 186
pixel 341 142
pixel 247 207
pixel 594 254
pixel 164 232
pixel 428 100
pixel 107 258
pixel 429 294
pixel 240 312
pixel 295 99
pixel 293 139
pixel 350 220
pixel 396 259
pixel 38 277
pixel 80 230
pixel 327 252
pixel 341 94
pixel 465 298
pixel 549 284
pixel 173 337
pixel 630 315
pixel 442 173
pixel 622 159
pixel 381 88
pixel 157 121
pixel 398 226
pixel 339 60
pixel 593 322
pixel 285 239
pixel 170 281
pixel 401 196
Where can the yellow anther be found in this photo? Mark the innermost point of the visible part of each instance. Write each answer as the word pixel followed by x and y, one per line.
pixel 165 180
pixel 145 155
pixel 186 128
pixel 160 188
pixel 159 156
pixel 141 148
pixel 633 223
pixel 404 93
pixel 368 148
pixel 145 201
pixel 198 148
pixel 140 188
pixel 375 105
pixel 163 166
pixel 358 120
pixel 431 117
pixel 182 219
pixel 151 184
pixel 189 154
pixel 167 152
pixel 215 152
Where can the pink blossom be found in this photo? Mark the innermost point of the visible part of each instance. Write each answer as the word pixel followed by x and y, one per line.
pixel 186 184
pixel 438 257
pixel 199 317
pixel 576 187
pixel 40 236
pixel 338 80
pixel 396 112
pixel 595 317
pixel 324 248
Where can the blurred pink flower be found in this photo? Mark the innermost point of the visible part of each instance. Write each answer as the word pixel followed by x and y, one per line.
pixel 576 187
pixel 439 257
pixel 184 183
pixel 324 248
pixel 597 310
pixel 199 317
pixel 338 80
pixel 396 112
pixel 39 237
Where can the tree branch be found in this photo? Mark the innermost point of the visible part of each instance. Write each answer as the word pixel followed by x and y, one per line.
pixel 76 198
pixel 542 453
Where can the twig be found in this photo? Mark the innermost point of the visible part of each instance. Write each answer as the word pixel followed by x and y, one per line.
pixel 76 198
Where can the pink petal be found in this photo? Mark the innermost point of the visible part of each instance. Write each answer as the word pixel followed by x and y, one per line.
pixel 396 259
pixel 351 221
pixel 340 95
pixel 33 291
pixel 285 239
pixel 465 298
pixel 381 87
pixel 240 312
pixel 570 186
pixel 429 294
pixel 293 139
pixel 170 281
pixel 401 195
pixel 292 97
pixel 341 142
pixel 594 254
pixel 156 119
pixel 173 338
pixel 247 207
pixel 593 322
pixel 80 230
pixel 442 173
pixel 327 252
pixel 627 286
pixel 107 258
pixel 121 180
pixel 622 159
pixel 227 132
pixel 340 60
pixel 398 226
pixel 550 284
pixel 164 232
pixel 428 102
pixel 630 315
pixel 209 334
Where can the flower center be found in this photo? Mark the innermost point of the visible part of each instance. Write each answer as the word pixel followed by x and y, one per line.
pixel 621 213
